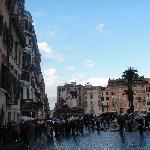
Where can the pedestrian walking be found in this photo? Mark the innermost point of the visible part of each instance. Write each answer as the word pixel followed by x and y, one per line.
pixel 121 122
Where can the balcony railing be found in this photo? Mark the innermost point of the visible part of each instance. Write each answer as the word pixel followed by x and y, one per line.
pixel 18 24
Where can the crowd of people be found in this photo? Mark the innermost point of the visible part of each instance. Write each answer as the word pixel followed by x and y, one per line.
pixel 74 125
pixel 23 133
pixel 71 125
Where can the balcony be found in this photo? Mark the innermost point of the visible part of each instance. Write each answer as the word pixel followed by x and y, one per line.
pixel 29 67
pixel 18 24
pixel 29 106
pixel 11 99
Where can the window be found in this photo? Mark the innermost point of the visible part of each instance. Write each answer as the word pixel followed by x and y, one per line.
pixel 23 59
pixel 9 116
pixel 27 93
pixel 1 24
pixel 30 27
pixel 106 93
pixel 91 96
pixel 142 91
pixel 147 89
pixel 7 38
pixel 10 5
pixel 138 98
pixel 79 98
pixel 16 50
pixel 86 104
pixel 91 110
pixel 79 103
pixel 99 91
pixel 4 77
pixel 26 24
pixel 102 98
pixel 21 93
pixel 91 102
pixel 28 76
pixel 99 102
pixel 19 57
pixel 107 98
pixel 107 106
pixel 28 59
pixel 29 42
pixel 99 96
pixel 25 76
pixel 14 116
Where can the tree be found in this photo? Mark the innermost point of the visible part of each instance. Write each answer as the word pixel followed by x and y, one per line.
pixel 129 76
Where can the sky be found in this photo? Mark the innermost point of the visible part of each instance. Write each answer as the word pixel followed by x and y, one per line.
pixel 90 40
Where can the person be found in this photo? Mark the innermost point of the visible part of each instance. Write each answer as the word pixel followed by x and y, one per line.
pixel 24 134
pixel 48 130
pixel 147 123
pixel 2 135
pixel 140 126
pixel 121 122
pixel 98 124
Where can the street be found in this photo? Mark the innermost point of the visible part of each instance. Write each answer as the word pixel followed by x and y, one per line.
pixel 96 141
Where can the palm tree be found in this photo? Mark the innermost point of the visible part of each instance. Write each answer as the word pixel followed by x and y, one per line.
pixel 129 76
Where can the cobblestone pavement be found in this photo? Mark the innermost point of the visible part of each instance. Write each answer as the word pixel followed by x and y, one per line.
pixel 95 141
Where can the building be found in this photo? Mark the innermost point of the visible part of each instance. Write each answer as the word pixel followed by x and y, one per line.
pixel 96 99
pixel 12 41
pixel 32 82
pixel 147 90
pixel 22 87
pixel 70 99
pixel 79 99
pixel 118 98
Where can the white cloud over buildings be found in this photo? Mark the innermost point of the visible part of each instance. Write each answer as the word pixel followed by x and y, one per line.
pixel 50 51
pixel 89 63
pixel 70 68
pixel 101 28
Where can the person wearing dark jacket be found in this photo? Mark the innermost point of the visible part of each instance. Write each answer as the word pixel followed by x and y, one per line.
pixel 140 126
pixel 121 122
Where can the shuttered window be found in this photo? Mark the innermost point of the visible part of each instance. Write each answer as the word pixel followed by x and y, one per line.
pixel 1 24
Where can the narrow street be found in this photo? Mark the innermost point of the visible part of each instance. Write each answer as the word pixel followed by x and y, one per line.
pixel 95 141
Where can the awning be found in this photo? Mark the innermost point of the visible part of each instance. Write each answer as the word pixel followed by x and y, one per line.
pixel 26 118
pixel 30 106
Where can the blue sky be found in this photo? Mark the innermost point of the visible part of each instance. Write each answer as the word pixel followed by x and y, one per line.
pixel 90 40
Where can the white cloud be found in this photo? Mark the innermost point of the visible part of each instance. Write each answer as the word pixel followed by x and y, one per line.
pixel 40 13
pixel 52 100
pixel 50 51
pixel 89 63
pixel 95 81
pixel 79 78
pixel 51 74
pixel 68 48
pixel 51 82
pixel 101 28
pixel 53 33
pixel 70 68
pixel 51 78
pixel 67 17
